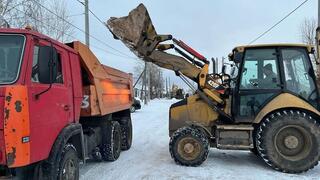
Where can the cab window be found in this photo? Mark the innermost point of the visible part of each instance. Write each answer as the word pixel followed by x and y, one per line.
pixel 35 70
pixel 260 70
pixel 297 71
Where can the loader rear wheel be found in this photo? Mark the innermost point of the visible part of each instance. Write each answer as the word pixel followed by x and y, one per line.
pixel 289 141
pixel 126 133
pixel 111 146
pixel 189 146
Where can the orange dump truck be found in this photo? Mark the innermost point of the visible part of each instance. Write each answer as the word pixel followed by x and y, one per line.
pixel 60 106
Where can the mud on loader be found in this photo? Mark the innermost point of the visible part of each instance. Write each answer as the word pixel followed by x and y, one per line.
pixel 271 106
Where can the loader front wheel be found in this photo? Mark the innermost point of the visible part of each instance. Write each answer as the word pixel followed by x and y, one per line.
pixel 289 141
pixel 189 146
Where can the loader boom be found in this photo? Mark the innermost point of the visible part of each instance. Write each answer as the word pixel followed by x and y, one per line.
pixel 137 32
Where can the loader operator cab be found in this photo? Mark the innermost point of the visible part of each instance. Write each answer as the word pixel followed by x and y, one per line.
pixel 265 71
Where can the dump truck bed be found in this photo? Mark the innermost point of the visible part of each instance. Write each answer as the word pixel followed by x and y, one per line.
pixel 105 90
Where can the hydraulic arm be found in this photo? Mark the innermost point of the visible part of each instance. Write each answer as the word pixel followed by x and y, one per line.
pixel 137 32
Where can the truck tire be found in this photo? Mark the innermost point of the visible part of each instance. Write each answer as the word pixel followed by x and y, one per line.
pixel 69 164
pixel 289 141
pixel 111 146
pixel 126 133
pixel 189 146
pixel 65 166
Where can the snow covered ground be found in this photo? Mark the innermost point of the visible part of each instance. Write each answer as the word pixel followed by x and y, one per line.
pixel 149 156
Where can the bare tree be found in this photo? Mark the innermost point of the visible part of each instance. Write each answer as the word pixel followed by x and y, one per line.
pixel 155 76
pixel 20 13
pixel 308 31
pixel 156 81
pixel 63 27
pixel 308 36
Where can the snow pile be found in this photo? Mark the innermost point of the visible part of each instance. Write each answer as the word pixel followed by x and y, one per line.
pixel 149 156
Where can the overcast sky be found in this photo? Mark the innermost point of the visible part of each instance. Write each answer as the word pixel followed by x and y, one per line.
pixel 211 27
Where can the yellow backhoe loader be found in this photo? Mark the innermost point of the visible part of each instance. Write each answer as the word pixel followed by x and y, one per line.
pixel 268 104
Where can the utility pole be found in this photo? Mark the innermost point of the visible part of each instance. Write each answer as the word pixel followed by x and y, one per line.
pixel 169 94
pixel 213 65
pixel 166 87
pixel 148 81
pixel 86 15
pixel 318 41
pixel 217 68
pixel 159 85
pixel 318 13
pixel 145 83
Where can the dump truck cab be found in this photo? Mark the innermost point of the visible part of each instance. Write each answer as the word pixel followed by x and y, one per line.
pixel 33 98
pixel 60 106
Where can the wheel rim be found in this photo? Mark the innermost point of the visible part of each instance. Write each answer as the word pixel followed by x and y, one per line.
pixel 189 148
pixel 133 109
pixel 293 142
pixel 69 170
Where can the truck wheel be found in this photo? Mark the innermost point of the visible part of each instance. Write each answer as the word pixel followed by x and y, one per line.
pixel 69 164
pixel 189 146
pixel 126 133
pixel 111 147
pixel 289 141
pixel 64 167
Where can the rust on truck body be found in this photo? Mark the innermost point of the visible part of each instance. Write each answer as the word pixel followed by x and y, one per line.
pixel 17 126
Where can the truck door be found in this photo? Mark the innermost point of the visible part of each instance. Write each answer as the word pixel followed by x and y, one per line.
pixel 53 110
pixel 259 82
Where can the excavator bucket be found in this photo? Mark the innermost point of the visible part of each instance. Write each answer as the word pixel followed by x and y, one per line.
pixel 137 32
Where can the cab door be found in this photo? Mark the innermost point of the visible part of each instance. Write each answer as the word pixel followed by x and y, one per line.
pixel 259 82
pixel 53 109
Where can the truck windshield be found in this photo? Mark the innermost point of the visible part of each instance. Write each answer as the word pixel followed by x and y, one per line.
pixel 11 49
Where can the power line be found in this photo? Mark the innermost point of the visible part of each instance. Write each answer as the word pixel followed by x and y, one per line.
pixel 93 13
pixel 102 42
pixel 80 14
pixel 97 19
pixel 69 35
pixel 285 17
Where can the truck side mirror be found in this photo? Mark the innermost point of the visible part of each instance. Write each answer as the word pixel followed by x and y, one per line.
pixel 47 61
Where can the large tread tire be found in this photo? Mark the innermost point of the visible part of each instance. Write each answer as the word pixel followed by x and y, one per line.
pixel 289 141
pixel 65 167
pixel 254 150
pixel 195 135
pixel 111 146
pixel 126 133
